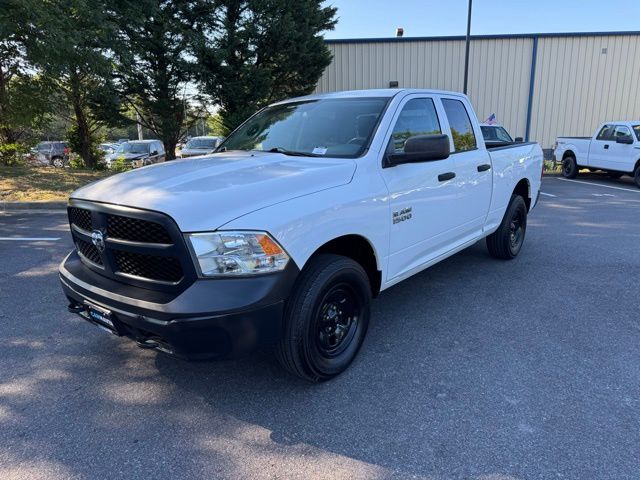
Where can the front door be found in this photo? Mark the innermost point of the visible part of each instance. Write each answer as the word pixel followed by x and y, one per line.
pixel 621 156
pixel 422 196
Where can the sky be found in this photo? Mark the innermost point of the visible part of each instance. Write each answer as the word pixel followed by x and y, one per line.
pixel 421 18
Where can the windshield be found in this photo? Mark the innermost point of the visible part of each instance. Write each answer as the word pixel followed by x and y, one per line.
pixel 636 130
pixel 133 147
pixel 340 127
pixel 209 143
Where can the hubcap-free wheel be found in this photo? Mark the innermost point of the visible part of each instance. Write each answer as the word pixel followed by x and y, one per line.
pixel 326 318
pixel 516 232
pixel 569 167
pixel 506 242
pixel 337 320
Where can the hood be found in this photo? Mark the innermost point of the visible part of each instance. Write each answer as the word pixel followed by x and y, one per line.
pixel 204 193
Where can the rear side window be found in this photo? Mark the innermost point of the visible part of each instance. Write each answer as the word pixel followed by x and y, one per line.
pixel 461 129
pixel 605 133
pixel 418 117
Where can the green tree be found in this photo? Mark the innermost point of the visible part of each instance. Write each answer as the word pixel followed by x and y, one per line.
pixel 154 70
pixel 259 51
pixel 67 40
pixel 23 97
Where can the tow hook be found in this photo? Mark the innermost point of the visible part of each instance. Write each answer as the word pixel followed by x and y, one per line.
pixel 75 308
pixel 147 343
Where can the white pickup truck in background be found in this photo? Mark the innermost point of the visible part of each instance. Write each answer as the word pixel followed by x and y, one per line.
pixel 614 148
pixel 309 209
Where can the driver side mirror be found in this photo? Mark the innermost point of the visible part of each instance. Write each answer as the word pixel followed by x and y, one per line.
pixel 154 152
pixel 421 148
pixel 626 139
pixel 519 140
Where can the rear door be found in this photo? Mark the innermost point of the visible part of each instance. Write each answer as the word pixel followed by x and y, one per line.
pixel 422 196
pixel 474 179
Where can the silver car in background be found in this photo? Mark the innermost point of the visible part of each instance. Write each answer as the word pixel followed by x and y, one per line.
pixel 200 146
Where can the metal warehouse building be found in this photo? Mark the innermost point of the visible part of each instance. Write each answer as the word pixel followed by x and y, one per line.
pixel 538 85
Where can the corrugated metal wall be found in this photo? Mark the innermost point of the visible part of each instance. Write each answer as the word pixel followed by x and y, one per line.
pixel 576 85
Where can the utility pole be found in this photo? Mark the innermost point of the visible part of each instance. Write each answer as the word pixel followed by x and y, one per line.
pixel 466 50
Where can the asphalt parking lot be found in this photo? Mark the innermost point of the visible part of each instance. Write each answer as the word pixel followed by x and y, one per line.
pixel 475 368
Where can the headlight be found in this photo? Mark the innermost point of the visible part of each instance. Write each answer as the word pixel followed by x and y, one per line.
pixel 236 253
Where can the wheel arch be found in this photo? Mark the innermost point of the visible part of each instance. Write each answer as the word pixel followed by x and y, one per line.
pixel 359 249
pixel 569 153
pixel 523 188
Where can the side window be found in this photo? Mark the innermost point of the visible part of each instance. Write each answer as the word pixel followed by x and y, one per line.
pixel 621 131
pixel 605 133
pixel 502 135
pixel 418 117
pixel 461 129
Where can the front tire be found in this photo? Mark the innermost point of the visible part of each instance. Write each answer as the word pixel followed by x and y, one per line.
pixel 636 177
pixel 569 167
pixel 506 242
pixel 326 318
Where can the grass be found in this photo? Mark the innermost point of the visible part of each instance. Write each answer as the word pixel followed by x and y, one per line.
pixel 41 184
pixel 551 167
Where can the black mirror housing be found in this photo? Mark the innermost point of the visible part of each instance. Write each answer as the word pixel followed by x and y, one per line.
pixel 626 139
pixel 421 148
pixel 519 140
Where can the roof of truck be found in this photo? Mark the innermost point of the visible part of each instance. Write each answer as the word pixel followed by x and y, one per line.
pixel 372 93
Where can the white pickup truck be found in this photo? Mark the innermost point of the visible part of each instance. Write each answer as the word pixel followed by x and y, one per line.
pixel 308 210
pixel 614 148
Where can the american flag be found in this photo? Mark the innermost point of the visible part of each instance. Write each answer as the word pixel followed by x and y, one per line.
pixel 491 119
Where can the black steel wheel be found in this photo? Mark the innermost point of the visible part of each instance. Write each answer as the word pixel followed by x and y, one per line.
pixel 326 318
pixel 569 167
pixel 506 242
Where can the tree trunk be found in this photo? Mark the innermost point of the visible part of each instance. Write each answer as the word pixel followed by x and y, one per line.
pixel 7 134
pixel 84 135
pixel 170 148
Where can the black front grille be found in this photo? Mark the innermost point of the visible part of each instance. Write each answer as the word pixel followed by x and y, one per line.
pixel 136 230
pixel 80 217
pixel 89 251
pixel 142 248
pixel 165 269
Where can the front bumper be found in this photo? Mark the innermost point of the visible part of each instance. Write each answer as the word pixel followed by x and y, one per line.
pixel 212 318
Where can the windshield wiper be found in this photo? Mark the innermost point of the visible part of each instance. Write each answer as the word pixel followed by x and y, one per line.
pixel 292 153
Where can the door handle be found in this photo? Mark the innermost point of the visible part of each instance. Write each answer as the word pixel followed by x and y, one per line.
pixel 484 167
pixel 443 177
pixel 606 147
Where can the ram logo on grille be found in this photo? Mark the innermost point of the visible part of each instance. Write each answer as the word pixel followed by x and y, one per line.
pixel 97 238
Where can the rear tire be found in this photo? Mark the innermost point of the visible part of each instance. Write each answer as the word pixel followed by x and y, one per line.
pixel 57 162
pixel 506 242
pixel 636 177
pixel 326 318
pixel 569 167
